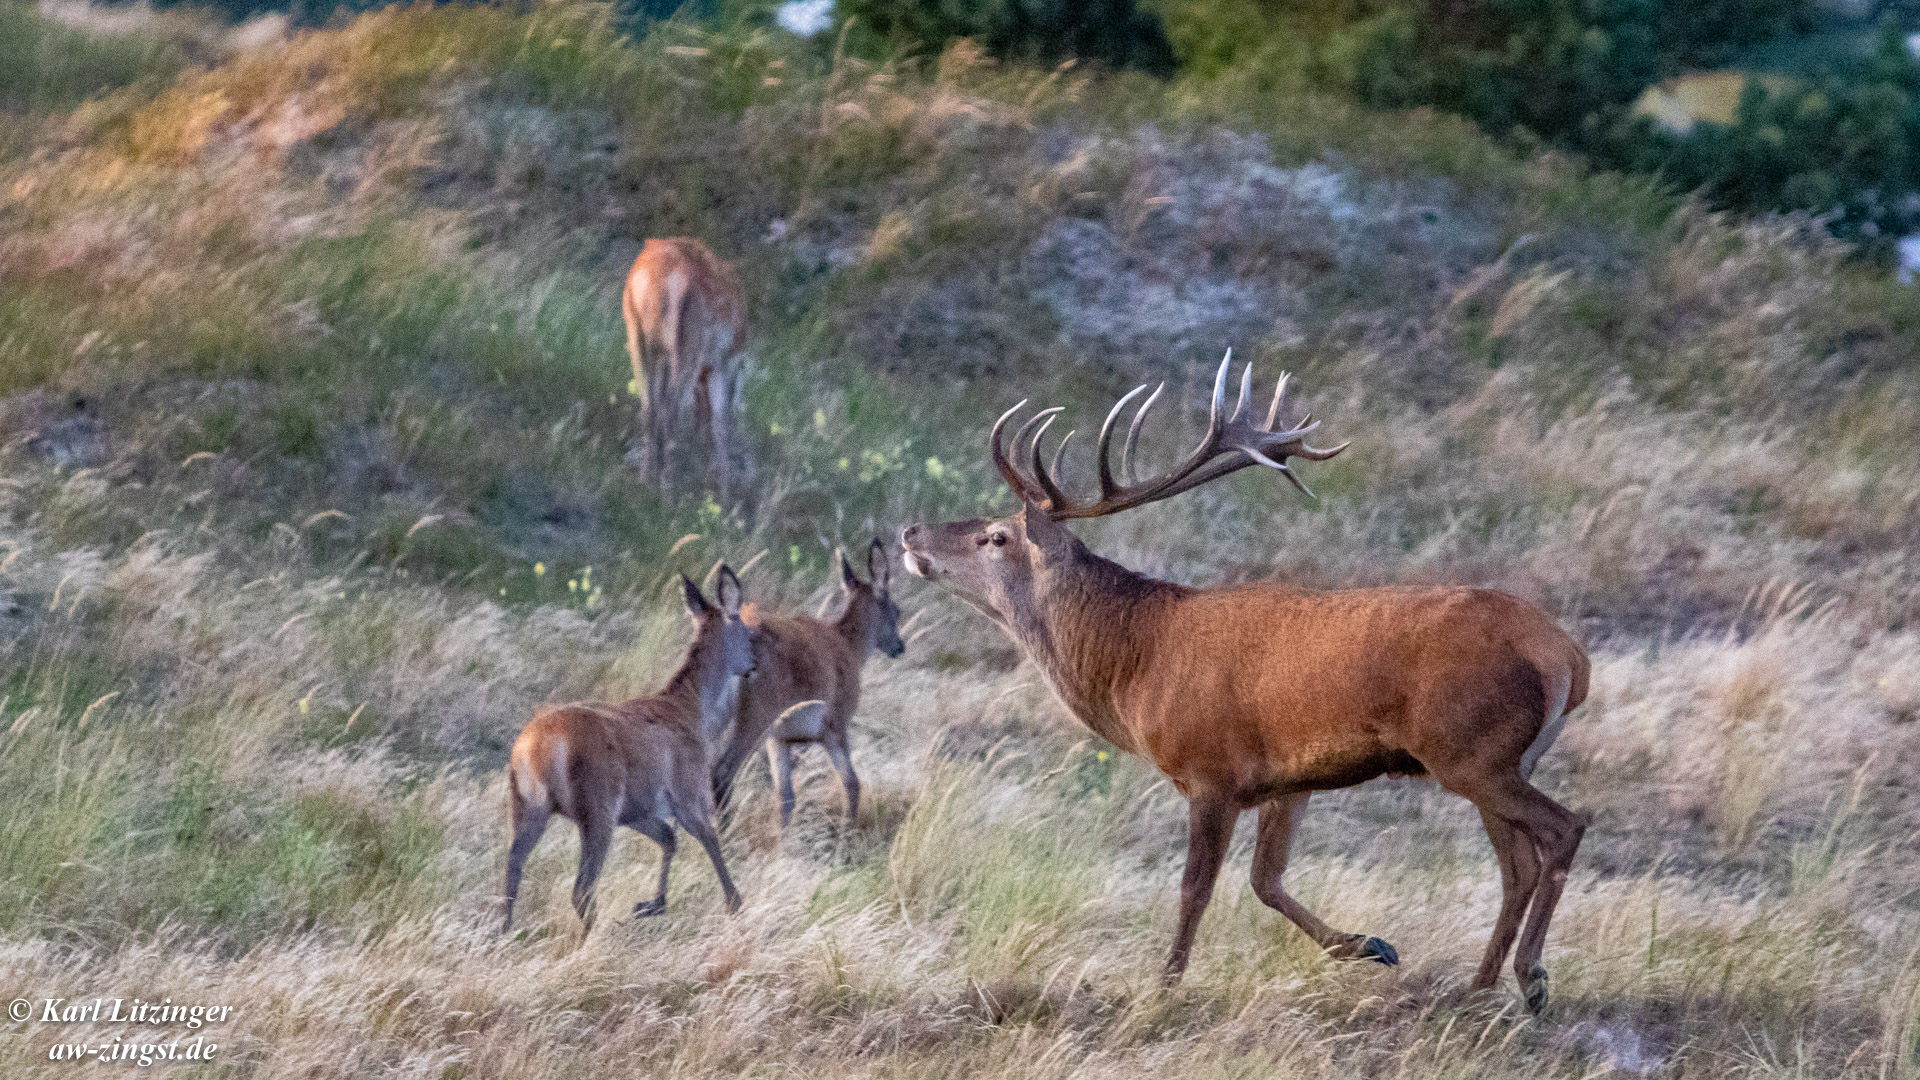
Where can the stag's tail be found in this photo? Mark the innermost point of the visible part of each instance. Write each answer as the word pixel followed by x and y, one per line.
pixel 1564 672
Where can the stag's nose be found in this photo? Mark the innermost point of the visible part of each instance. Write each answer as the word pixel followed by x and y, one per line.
pixel 907 534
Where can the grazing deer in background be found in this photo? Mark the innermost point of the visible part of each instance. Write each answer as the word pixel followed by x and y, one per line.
pixel 642 764
pixel 1257 695
pixel 685 312
pixel 798 657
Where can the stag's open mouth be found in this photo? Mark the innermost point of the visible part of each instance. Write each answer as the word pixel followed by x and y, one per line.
pixel 917 564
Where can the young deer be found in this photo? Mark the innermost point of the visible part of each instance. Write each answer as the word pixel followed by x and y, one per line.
pixel 1257 695
pixel 798 658
pixel 642 764
pixel 685 312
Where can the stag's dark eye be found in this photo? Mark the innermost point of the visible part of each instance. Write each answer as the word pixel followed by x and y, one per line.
pixel 999 539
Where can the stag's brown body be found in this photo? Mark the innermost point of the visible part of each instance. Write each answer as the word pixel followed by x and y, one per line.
pixel 1255 696
pixel 640 763
pixel 685 311
pixel 799 658
pixel 1303 690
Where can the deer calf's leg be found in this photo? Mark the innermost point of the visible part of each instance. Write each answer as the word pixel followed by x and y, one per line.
pixel 1209 828
pixel 529 824
pixel 1278 820
pixel 660 832
pixel 780 758
pixel 596 834
pixel 701 828
pixel 843 764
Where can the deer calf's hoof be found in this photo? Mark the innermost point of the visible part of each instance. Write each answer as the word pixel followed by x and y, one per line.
pixel 648 907
pixel 1535 989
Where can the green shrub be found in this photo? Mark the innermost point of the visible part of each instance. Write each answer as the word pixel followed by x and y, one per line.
pixel 1845 144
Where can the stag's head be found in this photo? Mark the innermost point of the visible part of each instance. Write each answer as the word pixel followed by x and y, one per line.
pixel 874 599
pixel 995 564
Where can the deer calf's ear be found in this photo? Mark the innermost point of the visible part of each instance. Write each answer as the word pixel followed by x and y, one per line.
pixel 697 605
pixel 729 591
pixel 878 571
pixel 847 578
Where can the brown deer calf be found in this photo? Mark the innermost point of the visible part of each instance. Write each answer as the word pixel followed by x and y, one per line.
pixel 798 658
pixel 642 763
pixel 685 311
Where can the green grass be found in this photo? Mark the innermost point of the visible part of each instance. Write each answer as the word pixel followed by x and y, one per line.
pixel 45 66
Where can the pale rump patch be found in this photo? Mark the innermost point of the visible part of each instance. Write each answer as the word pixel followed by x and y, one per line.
pixel 526 784
pixel 563 798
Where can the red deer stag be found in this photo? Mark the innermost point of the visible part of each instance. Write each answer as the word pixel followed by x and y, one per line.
pixel 685 312
pixel 642 764
pixel 1257 695
pixel 798 657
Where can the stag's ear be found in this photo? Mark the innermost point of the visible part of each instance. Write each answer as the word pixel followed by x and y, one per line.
pixel 1042 531
pixel 697 605
pixel 878 571
pixel 848 580
pixel 729 592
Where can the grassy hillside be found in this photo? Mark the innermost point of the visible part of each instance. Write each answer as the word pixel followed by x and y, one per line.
pixel 314 427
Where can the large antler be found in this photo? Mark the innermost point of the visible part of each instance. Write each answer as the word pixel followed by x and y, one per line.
pixel 1232 443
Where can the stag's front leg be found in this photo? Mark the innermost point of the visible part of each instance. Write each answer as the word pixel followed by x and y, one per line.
pixel 1278 820
pixel 1209 828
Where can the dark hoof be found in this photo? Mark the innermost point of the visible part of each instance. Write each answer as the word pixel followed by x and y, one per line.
pixel 1375 949
pixel 1536 991
pixel 1359 948
pixel 645 908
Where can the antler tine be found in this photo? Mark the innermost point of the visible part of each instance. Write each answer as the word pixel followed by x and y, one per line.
pixel 1279 391
pixel 1232 442
pixel 1246 392
pixel 1219 394
pixel 1000 462
pixel 1053 472
pixel 1133 435
pixel 1029 489
pixel 1315 454
pixel 1101 453
pixel 1056 500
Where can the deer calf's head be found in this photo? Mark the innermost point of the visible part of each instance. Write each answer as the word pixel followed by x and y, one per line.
pixel 720 638
pixel 998 565
pixel 875 596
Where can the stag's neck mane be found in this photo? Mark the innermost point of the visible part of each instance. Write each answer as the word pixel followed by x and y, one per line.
pixel 1089 627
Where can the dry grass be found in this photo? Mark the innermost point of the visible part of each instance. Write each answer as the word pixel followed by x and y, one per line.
pixel 313 437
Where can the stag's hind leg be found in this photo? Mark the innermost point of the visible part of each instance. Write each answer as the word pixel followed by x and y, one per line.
pixel 1519 875
pixel 1543 836
pixel 1278 820
pixel 1556 832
